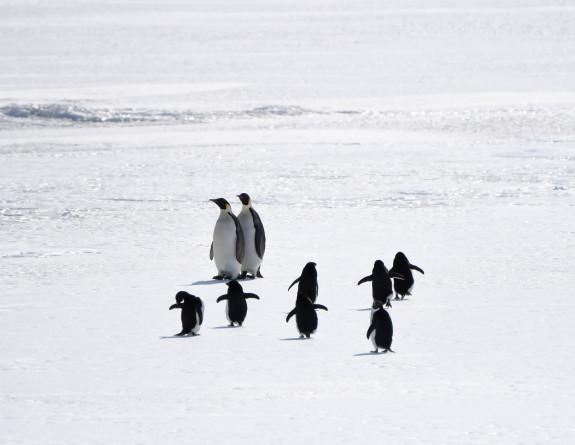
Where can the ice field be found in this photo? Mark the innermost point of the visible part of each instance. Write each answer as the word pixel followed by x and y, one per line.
pixel 442 129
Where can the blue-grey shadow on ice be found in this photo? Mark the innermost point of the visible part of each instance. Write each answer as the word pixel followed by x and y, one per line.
pixel 368 353
pixel 294 338
pixel 206 282
pixel 361 310
pixel 179 336
pixel 226 327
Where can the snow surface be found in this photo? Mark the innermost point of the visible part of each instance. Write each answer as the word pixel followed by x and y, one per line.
pixel 444 129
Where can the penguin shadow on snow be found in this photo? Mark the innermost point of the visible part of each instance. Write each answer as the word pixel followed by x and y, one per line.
pixel 361 354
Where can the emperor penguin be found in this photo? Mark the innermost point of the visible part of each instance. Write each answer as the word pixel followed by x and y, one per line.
pixel 192 312
pixel 228 243
pixel 305 315
pixel 402 266
pixel 380 330
pixel 381 282
pixel 236 308
pixel 307 282
pixel 254 237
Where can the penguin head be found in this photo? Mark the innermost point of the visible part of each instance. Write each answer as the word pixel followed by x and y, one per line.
pixel 234 286
pixel 184 296
pixel 309 267
pixel 245 199
pixel 222 203
pixel 377 305
pixel 400 259
pixel 379 267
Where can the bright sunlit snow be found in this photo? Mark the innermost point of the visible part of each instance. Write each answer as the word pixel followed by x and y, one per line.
pixel 444 129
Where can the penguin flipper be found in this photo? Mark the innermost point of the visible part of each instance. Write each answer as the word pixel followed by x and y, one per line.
pixel 319 306
pixel 176 306
pixel 414 267
pixel 296 281
pixel 240 243
pixel 222 298
pixel 365 279
pixel 370 329
pixel 251 296
pixel 291 314
pixel 212 251
pixel 260 236
pixel 394 274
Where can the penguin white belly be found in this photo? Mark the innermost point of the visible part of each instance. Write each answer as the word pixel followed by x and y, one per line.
pixel 198 325
pixel 372 338
pixel 225 247
pixel 251 262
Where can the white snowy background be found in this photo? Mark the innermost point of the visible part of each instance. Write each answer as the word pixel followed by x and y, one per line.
pixel 442 128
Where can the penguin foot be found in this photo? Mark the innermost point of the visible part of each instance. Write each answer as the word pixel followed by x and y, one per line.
pixel 243 275
pixel 259 274
pixel 375 352
pixel 388 304
pixel 218 277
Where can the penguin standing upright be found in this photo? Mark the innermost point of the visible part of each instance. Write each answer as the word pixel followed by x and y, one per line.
pixel 380 330
pixel 236 308
pixel 192 312
pixel 305 315
pixel 228 243
pixel 254 237
pixel 380 278
pixel 402 266
pixel 307 282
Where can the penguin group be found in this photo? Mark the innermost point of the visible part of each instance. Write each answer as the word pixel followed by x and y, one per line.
pixel 380 331
pixel 238 246
pixel 239 242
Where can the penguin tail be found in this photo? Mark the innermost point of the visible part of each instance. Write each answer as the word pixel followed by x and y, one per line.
pixel 259 274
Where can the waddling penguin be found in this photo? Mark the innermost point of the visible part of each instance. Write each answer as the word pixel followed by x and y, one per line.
pixel 307 282
pixel 381 282
pixel 192 312
pixel 254 237
pixel 236 308
pixel 380 330
pixel 402 266
pixel 305 315
pixel 228 243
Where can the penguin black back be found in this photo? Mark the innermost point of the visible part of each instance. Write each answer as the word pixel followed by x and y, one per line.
pixel 192 312
pixel 305 315
pixel 307 281
pixel 402 266
pixel 381 286
pixel 236 308
pixel 380 330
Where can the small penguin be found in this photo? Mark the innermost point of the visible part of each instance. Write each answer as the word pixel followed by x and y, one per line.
pixel 305 315
pixel 381 282
pixel 192 312
pixel 254 237
pixel 228 246
pixel 236 308
pixel 402 266
pixel 307 282
pixel 380 330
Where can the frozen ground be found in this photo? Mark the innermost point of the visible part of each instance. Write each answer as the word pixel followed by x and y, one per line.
pixel 443 129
